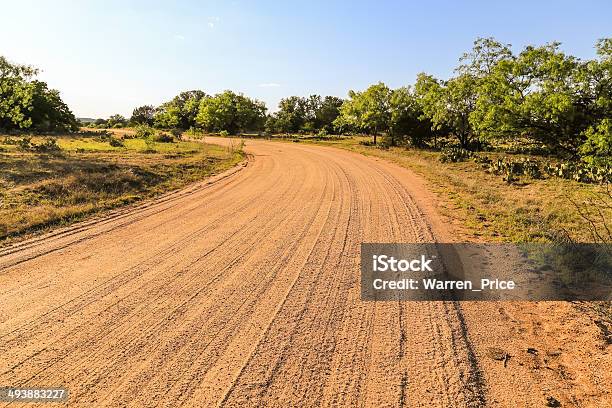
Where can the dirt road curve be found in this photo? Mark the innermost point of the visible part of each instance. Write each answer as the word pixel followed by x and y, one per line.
pixel 240 292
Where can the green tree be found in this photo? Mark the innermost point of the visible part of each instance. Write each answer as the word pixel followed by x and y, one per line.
pixel 230 112
pixel 292 114
pixel 368 111
pixel 326 113
pixel 449 104
pixel 181 111
pixel 408 123
pixel 28 103
pixel 534 95
pixel 270 125
pixel 143 115
pixel 116 121
pixel 100 123
pixel 486 53
pixel 49 112
pixel 309 114
pixel 16 93
pixel 597 147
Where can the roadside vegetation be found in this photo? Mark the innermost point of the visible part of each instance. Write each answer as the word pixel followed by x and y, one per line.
pixel 489 209
pixel 51 181
pixel 519 145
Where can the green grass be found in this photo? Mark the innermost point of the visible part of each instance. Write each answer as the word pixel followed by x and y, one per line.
pixel 41 190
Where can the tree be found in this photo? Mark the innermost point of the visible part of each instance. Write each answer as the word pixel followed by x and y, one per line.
pixel 448 104
pixel 27 103
pixel 100 122
pixel 309 114
pixel 407 119
pixel 181 111
pixel 116 121
pixel 368 111
pixel 143 115
pixel 485 55
pixel 49 112
pixel 595 92
pixel 292 114
pixel 230 112
pixel 597 147
pixel 16 92
pixel 534 95
pixel 327 112
pixel 270 125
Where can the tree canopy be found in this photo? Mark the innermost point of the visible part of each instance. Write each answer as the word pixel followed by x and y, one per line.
pixel 367 111
pixel 230 112
pixel 27 103
pixel 311 114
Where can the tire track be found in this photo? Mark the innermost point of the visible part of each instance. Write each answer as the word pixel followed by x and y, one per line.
pixel 239 291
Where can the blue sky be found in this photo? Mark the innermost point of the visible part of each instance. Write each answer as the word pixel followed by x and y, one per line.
pixel 110 56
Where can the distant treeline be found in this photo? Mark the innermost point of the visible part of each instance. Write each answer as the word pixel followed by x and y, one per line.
pixel 233 113
pixel 539 96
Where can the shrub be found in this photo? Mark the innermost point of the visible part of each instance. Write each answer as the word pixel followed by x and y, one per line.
pixel 177 133
pixel 367 143
pixel 597 149
pixel 454 155
pixel 511 169
pixel 103 135
pixel 163 138
pixel 580 171
pixel 115 142
pixel 144 132
pixel 224 133
pixel 48 146
pixel 25 144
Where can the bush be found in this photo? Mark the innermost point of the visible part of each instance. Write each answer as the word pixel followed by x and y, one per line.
pixel 115 142
pixel 597 149
pixel 367 143
pixel 455 155
pixel 224 133
pixel 144 132
pixel 163 138
pixel 103 135
pixel 177 133
pixel 580 171
pixel 511 169
pixel 48 146
pixel 25 144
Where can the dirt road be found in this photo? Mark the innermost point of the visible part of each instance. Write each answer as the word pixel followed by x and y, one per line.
pixel 243 292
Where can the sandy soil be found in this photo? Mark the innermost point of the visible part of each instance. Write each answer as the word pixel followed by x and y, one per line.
pixel 244 291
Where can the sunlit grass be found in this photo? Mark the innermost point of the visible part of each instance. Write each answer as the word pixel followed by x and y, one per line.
pixel 87 175
pixel 486 206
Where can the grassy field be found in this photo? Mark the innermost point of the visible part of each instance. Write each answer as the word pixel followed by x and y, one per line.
pixel 82 175
pixel 491 209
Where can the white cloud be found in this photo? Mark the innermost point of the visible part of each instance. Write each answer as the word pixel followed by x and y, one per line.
pixel 179 37
pixel 269 85
pixel 212 22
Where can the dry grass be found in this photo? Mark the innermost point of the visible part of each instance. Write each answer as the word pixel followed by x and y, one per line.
pixel 491 209
pixel 42 190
